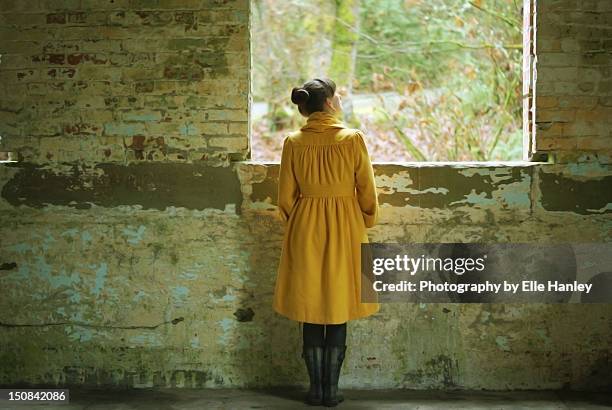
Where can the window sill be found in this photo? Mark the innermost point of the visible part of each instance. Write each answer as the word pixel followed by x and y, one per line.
pixel 422 164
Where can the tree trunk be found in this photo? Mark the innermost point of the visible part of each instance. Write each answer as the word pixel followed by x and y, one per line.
pixel 344 46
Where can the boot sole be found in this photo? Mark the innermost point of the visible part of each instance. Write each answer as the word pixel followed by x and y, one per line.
pixel 313 403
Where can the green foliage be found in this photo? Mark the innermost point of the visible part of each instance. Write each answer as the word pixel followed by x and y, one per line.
pixel 455 66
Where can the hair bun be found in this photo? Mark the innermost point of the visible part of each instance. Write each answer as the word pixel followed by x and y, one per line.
pixel 299 95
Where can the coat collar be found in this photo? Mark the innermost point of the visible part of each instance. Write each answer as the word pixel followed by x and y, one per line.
pixel 320 121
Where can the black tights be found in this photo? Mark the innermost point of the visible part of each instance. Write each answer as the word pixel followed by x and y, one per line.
pixel 335 334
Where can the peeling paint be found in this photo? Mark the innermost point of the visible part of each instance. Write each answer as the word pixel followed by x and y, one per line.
pixel 135 236
pixel 146 339
pixel 588 169
pixel 194 342
pixel 502 342
pixel 180 294
pixel 476 199
pixel 140 294
pixel 81 335
pixel 63 279
pixel 101 274
pixel 22 248
pixel 227 325
pixel 515 195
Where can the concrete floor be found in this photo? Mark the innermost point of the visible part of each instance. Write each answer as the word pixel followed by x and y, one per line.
pixel 290 398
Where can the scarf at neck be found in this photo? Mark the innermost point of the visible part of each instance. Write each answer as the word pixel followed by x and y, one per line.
pixel 320 121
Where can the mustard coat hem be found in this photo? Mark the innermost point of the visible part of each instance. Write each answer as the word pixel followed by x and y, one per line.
pixel 366 310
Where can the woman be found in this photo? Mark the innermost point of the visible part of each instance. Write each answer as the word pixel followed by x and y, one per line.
pixel 326 200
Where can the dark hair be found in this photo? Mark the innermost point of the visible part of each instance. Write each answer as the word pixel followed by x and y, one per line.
pixel 311 96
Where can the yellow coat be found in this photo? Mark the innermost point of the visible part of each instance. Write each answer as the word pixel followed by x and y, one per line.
pixel 326 200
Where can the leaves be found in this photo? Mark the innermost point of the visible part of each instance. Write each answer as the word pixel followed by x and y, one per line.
pixel 449 70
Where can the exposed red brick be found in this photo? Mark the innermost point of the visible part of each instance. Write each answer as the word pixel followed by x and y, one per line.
pixel 78 58
pixel 138 142
pixel 56 18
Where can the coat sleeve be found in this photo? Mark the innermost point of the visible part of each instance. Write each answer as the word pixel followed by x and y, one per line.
pixel 365 183
pixel 287 184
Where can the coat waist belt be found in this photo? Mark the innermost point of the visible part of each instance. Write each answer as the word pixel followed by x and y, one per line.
pixel 318 190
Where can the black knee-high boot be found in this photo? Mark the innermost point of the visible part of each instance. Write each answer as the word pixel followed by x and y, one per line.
pixel 312 353
pixel 313 356
pixel 333 359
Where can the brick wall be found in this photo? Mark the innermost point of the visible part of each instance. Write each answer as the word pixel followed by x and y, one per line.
pixel 573 80
pixel 168 80
pixel 124 80
pixel 144 273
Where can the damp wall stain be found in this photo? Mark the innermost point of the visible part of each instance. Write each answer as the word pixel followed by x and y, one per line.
pixel 159 295
pixel 149 185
